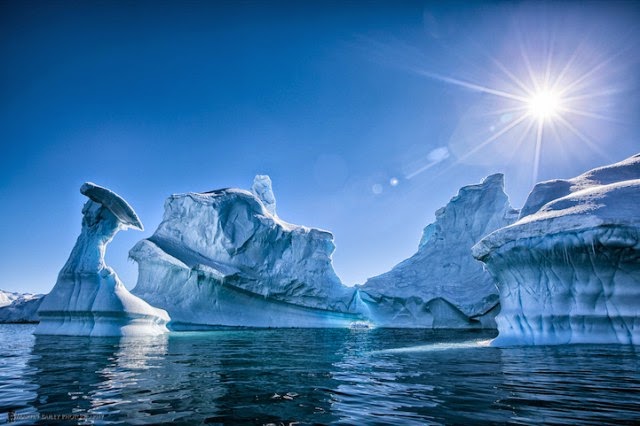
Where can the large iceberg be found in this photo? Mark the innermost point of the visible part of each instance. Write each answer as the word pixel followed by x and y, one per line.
pixel 224 258
pixel 569 268
pixel 88 298
pixel 442 285
pixel 19 307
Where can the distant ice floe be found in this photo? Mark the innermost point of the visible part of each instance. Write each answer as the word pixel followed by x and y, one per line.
pixel 19 307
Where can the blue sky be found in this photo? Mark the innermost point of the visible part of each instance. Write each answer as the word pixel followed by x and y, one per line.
pixel 334 100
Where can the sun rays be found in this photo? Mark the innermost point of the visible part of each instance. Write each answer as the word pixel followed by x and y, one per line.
pixel 541 102
pixel 534 96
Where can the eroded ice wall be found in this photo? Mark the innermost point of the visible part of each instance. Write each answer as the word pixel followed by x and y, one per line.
pixel 569 268
pixel 225 258
pixel 442 285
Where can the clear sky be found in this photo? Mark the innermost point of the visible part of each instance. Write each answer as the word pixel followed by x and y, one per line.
pixel 368 116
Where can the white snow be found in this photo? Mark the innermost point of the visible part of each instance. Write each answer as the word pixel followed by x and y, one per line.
pixel 6 298
pixel 442 285
pixel 88 298
pixel 569 268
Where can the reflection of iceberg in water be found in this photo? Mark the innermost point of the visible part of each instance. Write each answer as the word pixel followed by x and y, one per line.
pixel 151 380
pixel 66 372
pixel 100 377
pixel 190 383
pixel 134 363
pixel 334 376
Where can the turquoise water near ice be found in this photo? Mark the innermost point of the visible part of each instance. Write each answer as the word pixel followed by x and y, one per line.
pixel 313 376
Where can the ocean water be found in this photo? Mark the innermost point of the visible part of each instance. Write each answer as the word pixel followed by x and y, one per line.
pixel 312 376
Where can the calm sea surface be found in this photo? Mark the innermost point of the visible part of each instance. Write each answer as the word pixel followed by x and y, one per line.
pixel 310 376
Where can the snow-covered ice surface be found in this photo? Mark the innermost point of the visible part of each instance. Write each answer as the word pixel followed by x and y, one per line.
pixel 88 298
pixel 224 258
pixel 569 268
pixel 442 285
pixel 19 307
pixel 8 297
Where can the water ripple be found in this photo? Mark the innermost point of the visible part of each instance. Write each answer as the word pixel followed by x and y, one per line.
pixel 379 376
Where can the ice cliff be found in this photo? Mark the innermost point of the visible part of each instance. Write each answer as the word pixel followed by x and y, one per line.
pixel 88 298
pixel 442 285
pixel 569 268
pixel 224 258
pixel 19 307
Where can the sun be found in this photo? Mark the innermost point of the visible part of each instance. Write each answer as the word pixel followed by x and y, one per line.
pixel 544 105
pixel 548 99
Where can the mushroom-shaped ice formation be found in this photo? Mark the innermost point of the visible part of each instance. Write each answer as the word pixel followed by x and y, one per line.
pixel 89 299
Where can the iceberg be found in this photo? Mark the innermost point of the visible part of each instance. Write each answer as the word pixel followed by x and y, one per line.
pixel 224 258
pixel 568 270
pixel 88 298
pixel 442 285
pixel 19 307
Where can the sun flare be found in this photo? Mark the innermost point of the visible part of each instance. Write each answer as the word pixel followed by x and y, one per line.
pixel 544 105
pixel 545 95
